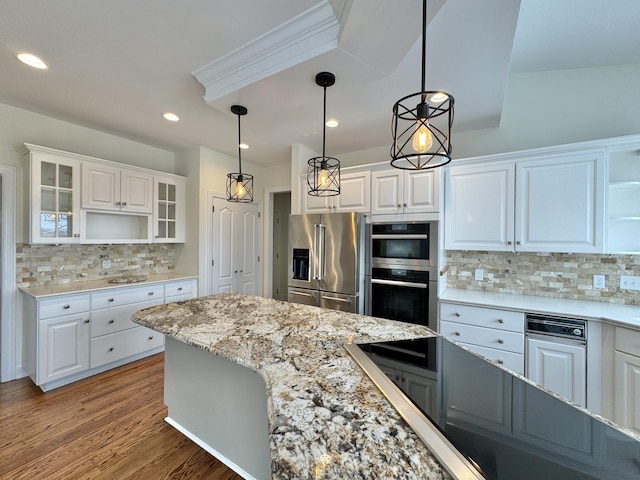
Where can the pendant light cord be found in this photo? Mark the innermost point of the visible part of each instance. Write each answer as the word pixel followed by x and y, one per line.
pixel 324 123
pixel 239 149
pixel 424 49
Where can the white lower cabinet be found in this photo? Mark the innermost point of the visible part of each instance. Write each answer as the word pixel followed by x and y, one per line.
pixel 627 379
pixel 72 336
pixel 497 335
pixel 558 366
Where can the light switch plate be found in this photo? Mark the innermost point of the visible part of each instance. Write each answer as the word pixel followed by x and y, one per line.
pixel 629 282
pixel 479 274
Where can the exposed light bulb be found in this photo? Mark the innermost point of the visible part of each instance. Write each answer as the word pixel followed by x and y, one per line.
pixel 422 138
pixel 323 178
pixel 241 191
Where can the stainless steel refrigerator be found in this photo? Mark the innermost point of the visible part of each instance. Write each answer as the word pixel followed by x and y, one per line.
pixel 326 261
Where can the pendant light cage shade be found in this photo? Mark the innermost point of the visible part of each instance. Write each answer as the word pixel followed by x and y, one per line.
pixel 323 173
pixel 239 185
pixel 421 128
pixel 323 176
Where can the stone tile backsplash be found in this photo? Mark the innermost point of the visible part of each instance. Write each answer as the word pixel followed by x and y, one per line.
pixel 42 265
pixel 558 275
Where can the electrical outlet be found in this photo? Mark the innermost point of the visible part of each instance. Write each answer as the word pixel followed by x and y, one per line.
pixel 598 281
pixel 106 264
pixel 479 274
pixel 629 282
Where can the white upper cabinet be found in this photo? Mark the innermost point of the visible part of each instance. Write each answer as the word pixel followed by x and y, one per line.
pixel 169 209
pixel 623 215
pixel 107 187
pixel 396 191
pixel 54 196
pixel 553 203
pixel 355 194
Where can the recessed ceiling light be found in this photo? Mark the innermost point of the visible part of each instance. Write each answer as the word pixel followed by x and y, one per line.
pixel 244 146
pixel 332 122
pixel 32 61
pixel 172 117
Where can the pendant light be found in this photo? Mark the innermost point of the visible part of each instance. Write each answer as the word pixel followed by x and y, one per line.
pixel 239 185
pixel 422 122
pixel 323 173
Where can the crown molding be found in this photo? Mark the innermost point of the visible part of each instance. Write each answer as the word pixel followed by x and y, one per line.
pixel 307 35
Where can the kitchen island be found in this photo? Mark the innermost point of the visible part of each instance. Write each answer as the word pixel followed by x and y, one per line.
pixel 325 419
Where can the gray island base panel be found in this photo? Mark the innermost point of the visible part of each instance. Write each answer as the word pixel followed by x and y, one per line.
pixel 325 419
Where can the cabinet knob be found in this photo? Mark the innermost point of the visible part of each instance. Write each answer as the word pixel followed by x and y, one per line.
pixel 518 242
pixel 509 242
pixel 500 341
pixel 76 235
pixel 87 320
pixel 157 236
pixel 150 293
pixel 150 337
pixel 500 320
pixel 457 314
pixel 124 203
pixel 111 349
pixel 111 321
pixel 179 289
pixel 235 271
pixel 500 361
pixel 66 307
pixel 404 204
pixel 240 271
pixel 457 334
pixel 399 206
pixel 110 300
pixel 118 203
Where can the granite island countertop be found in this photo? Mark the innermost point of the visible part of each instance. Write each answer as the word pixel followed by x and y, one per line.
pixel 326 418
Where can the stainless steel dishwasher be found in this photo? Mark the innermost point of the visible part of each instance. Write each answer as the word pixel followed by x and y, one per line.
pixel 556 353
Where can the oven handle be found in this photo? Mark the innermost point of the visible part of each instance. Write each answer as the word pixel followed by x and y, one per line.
pixel 400 237
pixel 398 283
pixel 337 299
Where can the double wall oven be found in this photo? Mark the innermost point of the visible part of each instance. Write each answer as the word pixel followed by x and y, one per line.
pixel 401 282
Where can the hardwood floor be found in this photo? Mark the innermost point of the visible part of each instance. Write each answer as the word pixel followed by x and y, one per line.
pixel 110 426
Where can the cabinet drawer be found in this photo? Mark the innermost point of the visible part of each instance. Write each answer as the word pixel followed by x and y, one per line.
pixel 111 320
pixel 125 296
pixel 512 361
pixel 483 317
pixel 116 346
pixel 67 305
pixel 483 337
pixel 628 341
pixel 178 288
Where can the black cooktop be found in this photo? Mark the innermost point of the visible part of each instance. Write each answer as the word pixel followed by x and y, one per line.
pixel 509 428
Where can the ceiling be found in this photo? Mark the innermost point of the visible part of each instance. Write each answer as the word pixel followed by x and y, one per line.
pixel 117 65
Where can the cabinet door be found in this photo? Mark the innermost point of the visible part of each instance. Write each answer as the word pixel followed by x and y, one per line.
pixel 386 196
pixel 421 191
pixel 247 236
pixel 55 199
pixel 560 204
pixel 355 193
pixel 627 391
pixel 479 207
pixel 311 203
pixel 63 347
pixel 169 210
pixel 136 192
pixel 100 186
pixel 559 367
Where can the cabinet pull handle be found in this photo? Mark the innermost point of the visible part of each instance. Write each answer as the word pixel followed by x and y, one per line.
pixel 457 314
pixel 111 349
pixel 500 320
pixel 87 321
pixel 500 341
pixel 110 300
pixel 150 337
pixel 111 321
pixel 150 293
pixel 179 289
pixel 66 307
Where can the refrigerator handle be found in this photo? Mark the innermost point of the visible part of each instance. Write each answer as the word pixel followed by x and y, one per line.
pixel 315 252
pixel 321 251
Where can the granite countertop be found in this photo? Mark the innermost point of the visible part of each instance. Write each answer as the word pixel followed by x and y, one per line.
pixel 93 285
pixel 326 417
pixel 626 315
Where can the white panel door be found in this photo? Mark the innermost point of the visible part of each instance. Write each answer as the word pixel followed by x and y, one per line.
pixel 386 192
pixel 355 193
pixel 64 345
pixel 559 367
pixel 627 391
pixel 560 204
pixel 136 192
pixel 100 186
pixel 248 237
pixel 421 191
pixel 479 207
pixel 223 248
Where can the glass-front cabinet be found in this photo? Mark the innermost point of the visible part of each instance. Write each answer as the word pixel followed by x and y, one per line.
pixel 624 200
pixel 55 198
pixel 169 210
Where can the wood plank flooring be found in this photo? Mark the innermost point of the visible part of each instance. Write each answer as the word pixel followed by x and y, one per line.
pixel 109 426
